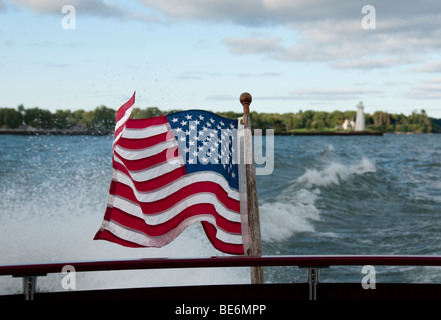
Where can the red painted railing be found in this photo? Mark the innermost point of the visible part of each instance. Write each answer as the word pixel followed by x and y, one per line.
pixel 316 261
pixel 311 262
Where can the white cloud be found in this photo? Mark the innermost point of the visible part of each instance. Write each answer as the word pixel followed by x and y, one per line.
pixel 262 74
pixel 332 94
pixel 429 67
pixel 329 32
pixel 244 11
pixel 197 75
pixel 427 89
pixel 253 45
pixel 369 63
pixel 98 8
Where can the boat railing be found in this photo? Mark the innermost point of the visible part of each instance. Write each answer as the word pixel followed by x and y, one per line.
pixel 312 264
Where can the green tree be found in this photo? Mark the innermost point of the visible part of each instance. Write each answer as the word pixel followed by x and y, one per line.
pixel 103 119
pixel 38 118
pixel 10 118
pixel 61 119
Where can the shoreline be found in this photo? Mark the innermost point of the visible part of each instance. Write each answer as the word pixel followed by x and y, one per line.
pixel 331 133
pixel 56 132
pixel 53 132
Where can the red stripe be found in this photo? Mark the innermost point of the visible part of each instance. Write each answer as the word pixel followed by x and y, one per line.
pixel 139 224
pixel 136 144
pixel 145 163
pixel 125 191
pixel 144 123
pixel 209 229
pixel 107 235
pixel 230 248
pixel 122 111
pixel 154 183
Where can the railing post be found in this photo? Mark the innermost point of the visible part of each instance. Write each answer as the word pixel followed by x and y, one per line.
pixel 29 286
pixel 312 278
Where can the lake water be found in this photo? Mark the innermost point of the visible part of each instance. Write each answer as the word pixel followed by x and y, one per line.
pixel 326 195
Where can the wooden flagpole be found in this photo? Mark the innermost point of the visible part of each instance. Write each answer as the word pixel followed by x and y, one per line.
pixel 255 241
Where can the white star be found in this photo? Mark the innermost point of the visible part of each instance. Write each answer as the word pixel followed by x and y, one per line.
pixel 174 120
pixel 201 117
pixel 188 117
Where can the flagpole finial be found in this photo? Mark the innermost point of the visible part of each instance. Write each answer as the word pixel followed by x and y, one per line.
pixel 245 99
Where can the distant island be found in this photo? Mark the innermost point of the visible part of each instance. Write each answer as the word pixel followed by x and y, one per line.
pixel 101 121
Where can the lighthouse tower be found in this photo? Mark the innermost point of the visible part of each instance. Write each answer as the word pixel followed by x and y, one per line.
pixel 359 123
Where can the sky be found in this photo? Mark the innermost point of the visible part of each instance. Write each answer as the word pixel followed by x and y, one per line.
pixel 290 55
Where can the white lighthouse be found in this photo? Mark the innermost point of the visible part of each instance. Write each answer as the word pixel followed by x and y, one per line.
pixel 359 122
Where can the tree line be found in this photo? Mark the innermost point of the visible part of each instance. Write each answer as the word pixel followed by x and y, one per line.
pixel 102 120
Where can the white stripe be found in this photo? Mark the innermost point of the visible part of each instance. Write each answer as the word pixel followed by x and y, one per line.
pixel 178 184
pixel 120 123
pixel 141 133
pixel 117 138
pixel 154 219
pixel 142 239
pixel 124 118
pixel 130 154
pixel 154 171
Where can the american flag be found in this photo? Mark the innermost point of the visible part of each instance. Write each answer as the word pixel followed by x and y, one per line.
pixel 170 172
